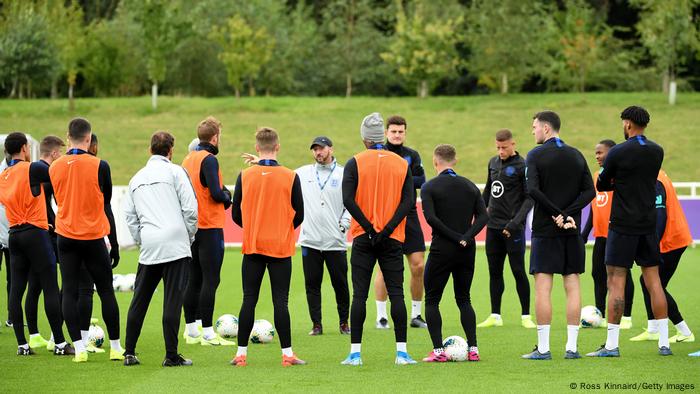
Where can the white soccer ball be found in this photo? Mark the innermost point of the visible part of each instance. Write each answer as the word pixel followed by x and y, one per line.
pixel 123 283
pixel 591 317
pixel 96 336
pixel 131 282
pixel 227 326
pixel 263 332
pixel 456 348
pixel 117 282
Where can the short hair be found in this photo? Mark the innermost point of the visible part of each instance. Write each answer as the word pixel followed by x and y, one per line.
pixel 93 139
pixel 549 117
pixel 78 128
pixel 208 128
pixel 446 153
pixel 608 143
pixel 636 115
pixel 396 120
pixel 14 142
pixel 504 135
pixel 161 143
pixel 266 138
pixel 49 144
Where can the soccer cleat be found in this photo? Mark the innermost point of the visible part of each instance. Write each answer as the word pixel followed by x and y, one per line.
pixel 353 359
pixel 436 358
pixel 603 352
pixel 193 340
pixel 225 342
pixel 37 341
pixel 90 348
pixel 665 351
pixel 316 330
pixel 239 361
pixel 646 336
pixel 178 361
pixel 50 345
pixel 186 334
pixel 130 360
pixel 603 324
pixel 66 350
pixel 80 357
pixel 293 360
pixel 8 323
pixel 694 354
pixel 116 355
pixel 25 351
pixel 216 341
pixel 344 329
pixel 491 321
pixel 94 320
pixel 402 358
pixel 418 322
pixel 678 338
pixel 473 356
pixel 383 324
pixel 626 323
pixel 571 355
pixel 536 355
pixel 527 322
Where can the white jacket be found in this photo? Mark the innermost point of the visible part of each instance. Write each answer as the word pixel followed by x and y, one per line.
pixel 161 211
pixel 4 224
pixel 324 213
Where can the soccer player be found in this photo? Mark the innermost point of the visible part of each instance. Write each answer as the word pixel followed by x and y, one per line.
pixel 414 244
pixel 631 169
pixel 598 220
pixel 161 212
pixel 82 187
pixel 322 236
pixel 208 248
pixel 378 193
pixel 30 249
pixel 674 237
pixel 508 204
pixel 455 210
pixel 559 182
pixel 268 205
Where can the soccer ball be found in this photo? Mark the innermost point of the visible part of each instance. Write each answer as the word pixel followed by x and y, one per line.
pixel 591 317
pixel 456 348
pixel 227 326
pixel 96 336
pixel 262 332
pixel 130 282
pixel 116 282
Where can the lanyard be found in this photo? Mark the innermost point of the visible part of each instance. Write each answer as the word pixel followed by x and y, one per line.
pixel 267 162
pixel 449 172
pixel 377 146
pixel 318 178
pixel 75 151
pixel 13 162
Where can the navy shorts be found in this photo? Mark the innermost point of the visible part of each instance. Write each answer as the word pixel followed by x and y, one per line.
pixel 622 250
pixel 414 241
pixel 563 255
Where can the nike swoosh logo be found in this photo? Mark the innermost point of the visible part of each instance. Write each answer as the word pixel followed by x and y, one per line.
pixel 266 173
pixel 382 155
pixel 70 161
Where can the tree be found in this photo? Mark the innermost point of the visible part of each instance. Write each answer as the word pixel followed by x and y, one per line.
pixel 505 46
pixel 670 33
pixel 244 51
pixel 68 34
pixel 423 49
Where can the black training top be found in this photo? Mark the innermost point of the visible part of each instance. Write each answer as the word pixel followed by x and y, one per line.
pixel 661 214
pixel 454 208
pixel 414 163
pixel 48 193
pixel 631 169
pixel 209 175
pixel 505 193
pixel 559 182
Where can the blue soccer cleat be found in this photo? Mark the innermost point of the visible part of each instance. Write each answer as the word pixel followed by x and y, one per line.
pixel 665 351
pixel 402 358
pixel 353 359
pixel 572 355
pixel 695 354
pixel 603 352
pixel 536 355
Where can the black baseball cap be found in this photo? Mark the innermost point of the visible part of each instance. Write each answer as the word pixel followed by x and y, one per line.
pixel 321 141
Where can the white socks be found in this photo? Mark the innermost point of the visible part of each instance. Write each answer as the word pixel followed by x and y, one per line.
pixel 242 351
pixel 199 323
pixel 115 345
pixel 415 308
pixel 523 317
pixel 571 337
pixel 613 336
pixel 34 335
pixel 652 326
pixel 474 349
pixel 208 333
pixel 79 346
pixel 663 332
pixel 84 336
pixel 543 338
pixel 496 316
pixel 381 310
pixel 192 329
pixel 287 351
pixel 355 347
pixel 51 340
pixel 401 347
pixel 683 328
pixel 25 346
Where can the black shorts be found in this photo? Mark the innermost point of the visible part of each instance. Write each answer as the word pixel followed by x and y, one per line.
pixel 558 255
pixel 498 243
pixel 622 250
pixel 414 241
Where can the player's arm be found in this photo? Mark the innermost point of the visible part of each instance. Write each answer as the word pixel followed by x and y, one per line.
pixel 210 170
pixel 438 226
pixel 481 217
pixel 586 192
pixel 519 219
pixel 350 179
pixel 104 176
pixel 486 195
pixel 589 225
pixel 606 176
pixel 131 217
pixel 407 202
pixel 661 212
pixel 188 201
pixel 297 202
pixel 38 174
pixel 418 172
pixel 533 188
pixel 236 213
